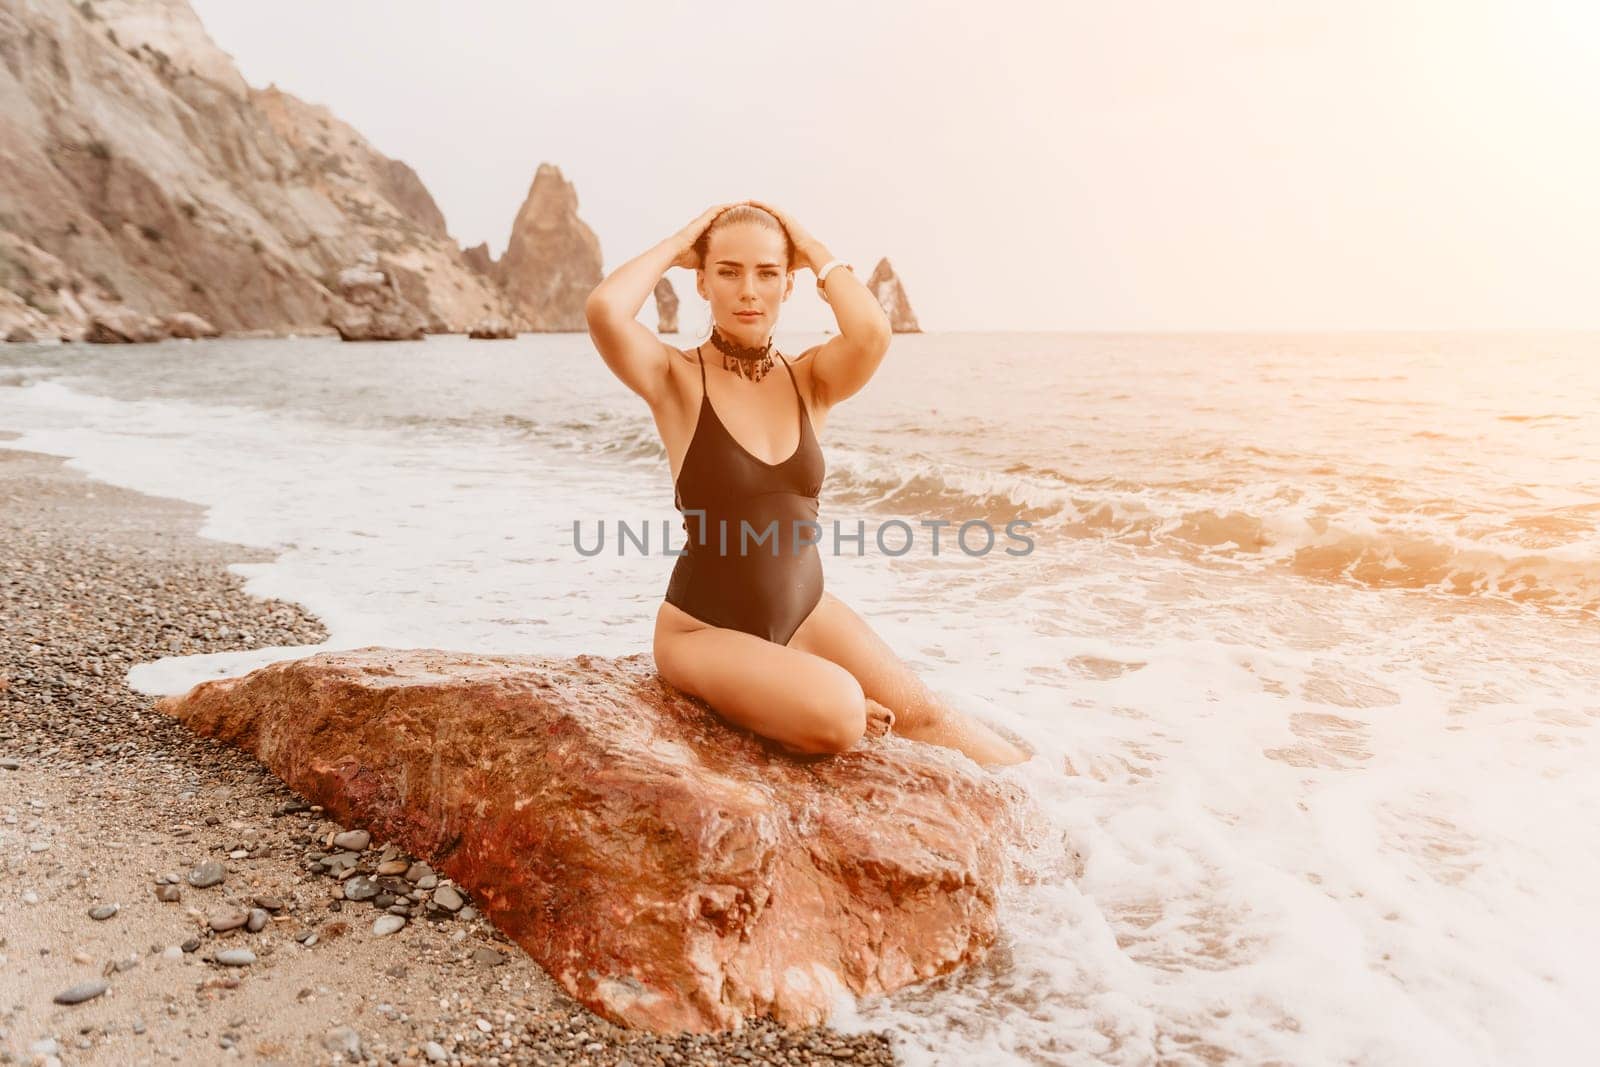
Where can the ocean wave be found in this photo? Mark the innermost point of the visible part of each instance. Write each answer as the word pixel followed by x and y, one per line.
pixel 1549 559
pixel 1565 577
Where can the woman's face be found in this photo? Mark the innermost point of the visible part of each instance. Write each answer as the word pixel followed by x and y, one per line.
pixel 745 272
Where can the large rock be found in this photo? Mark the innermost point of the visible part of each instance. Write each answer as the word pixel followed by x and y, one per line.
pixel 376 310
pixel 670 871
pixel 492 330
pixel 552 262
pixel 123 326
pixel 666 307
pixel 188 325
pixel 885 285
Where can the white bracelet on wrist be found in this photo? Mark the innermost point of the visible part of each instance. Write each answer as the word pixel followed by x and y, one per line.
pixel 822 275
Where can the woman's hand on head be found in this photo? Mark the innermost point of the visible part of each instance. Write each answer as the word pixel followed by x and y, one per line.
pixel 798 236
pixel 688 258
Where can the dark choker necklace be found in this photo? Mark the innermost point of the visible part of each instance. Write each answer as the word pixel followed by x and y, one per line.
pixel 748 361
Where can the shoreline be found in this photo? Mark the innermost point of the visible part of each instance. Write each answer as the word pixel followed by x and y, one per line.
pixel 102 799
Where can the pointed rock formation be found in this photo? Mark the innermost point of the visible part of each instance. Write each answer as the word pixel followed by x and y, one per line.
pixel 135 156
pixel 553 260
pixel 666 307
pixel 885 285
pixel 478 258
pixel 670 871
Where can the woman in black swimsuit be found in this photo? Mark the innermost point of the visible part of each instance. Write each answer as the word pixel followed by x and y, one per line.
pixel 746 625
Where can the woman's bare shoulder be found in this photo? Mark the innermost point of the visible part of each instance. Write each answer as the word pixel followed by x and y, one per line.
pixel 684 367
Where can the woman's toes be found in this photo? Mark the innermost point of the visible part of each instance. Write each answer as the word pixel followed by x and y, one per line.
pixel 880 720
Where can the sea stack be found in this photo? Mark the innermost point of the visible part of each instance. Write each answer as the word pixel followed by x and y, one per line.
pixel 885 285
pixel 666 307
pixel 553 260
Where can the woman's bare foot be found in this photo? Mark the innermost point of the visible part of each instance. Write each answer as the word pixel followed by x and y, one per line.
pixel 880 719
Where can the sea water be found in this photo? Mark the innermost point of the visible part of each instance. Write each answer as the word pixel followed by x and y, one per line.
pixel 1307 642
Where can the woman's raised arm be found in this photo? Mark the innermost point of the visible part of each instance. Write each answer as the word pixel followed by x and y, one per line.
pixel 844 363
pixel 631 349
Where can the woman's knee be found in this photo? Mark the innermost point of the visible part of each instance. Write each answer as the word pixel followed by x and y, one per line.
pixel 835 708
pixel 671 659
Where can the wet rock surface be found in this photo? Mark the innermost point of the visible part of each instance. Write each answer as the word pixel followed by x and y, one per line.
pixel 657 862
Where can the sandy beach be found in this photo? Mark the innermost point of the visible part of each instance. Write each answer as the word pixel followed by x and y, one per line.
pixel 115 825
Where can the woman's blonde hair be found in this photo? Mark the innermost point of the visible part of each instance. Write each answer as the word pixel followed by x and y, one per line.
pixel 744 213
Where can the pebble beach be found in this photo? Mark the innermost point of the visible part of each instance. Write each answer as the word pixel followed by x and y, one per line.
pixel 165 899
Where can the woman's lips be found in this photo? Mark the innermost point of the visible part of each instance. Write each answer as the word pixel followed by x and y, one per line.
pixel 747 314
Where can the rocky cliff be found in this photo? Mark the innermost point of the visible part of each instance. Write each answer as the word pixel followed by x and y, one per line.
pixel 885 285
pixel 140 170
pixel 553 259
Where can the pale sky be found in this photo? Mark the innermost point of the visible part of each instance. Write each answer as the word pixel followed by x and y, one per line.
pixel 1232 164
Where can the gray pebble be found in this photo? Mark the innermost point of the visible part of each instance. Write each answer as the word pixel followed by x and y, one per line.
pixel 102 912
pixel 447 898
pixel 235 957
pixel 354 840
pixel 257 921
pixel 207 874
pixel 340 861
pixel 82 991
pixel 344 1040
pixel 387 924
pixel 360 887
pixel 227 919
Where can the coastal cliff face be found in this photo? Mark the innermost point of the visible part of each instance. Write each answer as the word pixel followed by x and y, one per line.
pixel 553 259
pixel 885 285
pixel 140 170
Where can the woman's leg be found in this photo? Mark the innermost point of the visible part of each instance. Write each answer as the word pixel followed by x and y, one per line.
pixel 801 701
pixel 837 634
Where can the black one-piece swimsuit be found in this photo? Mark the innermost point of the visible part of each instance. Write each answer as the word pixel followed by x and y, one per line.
pixel 760 583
